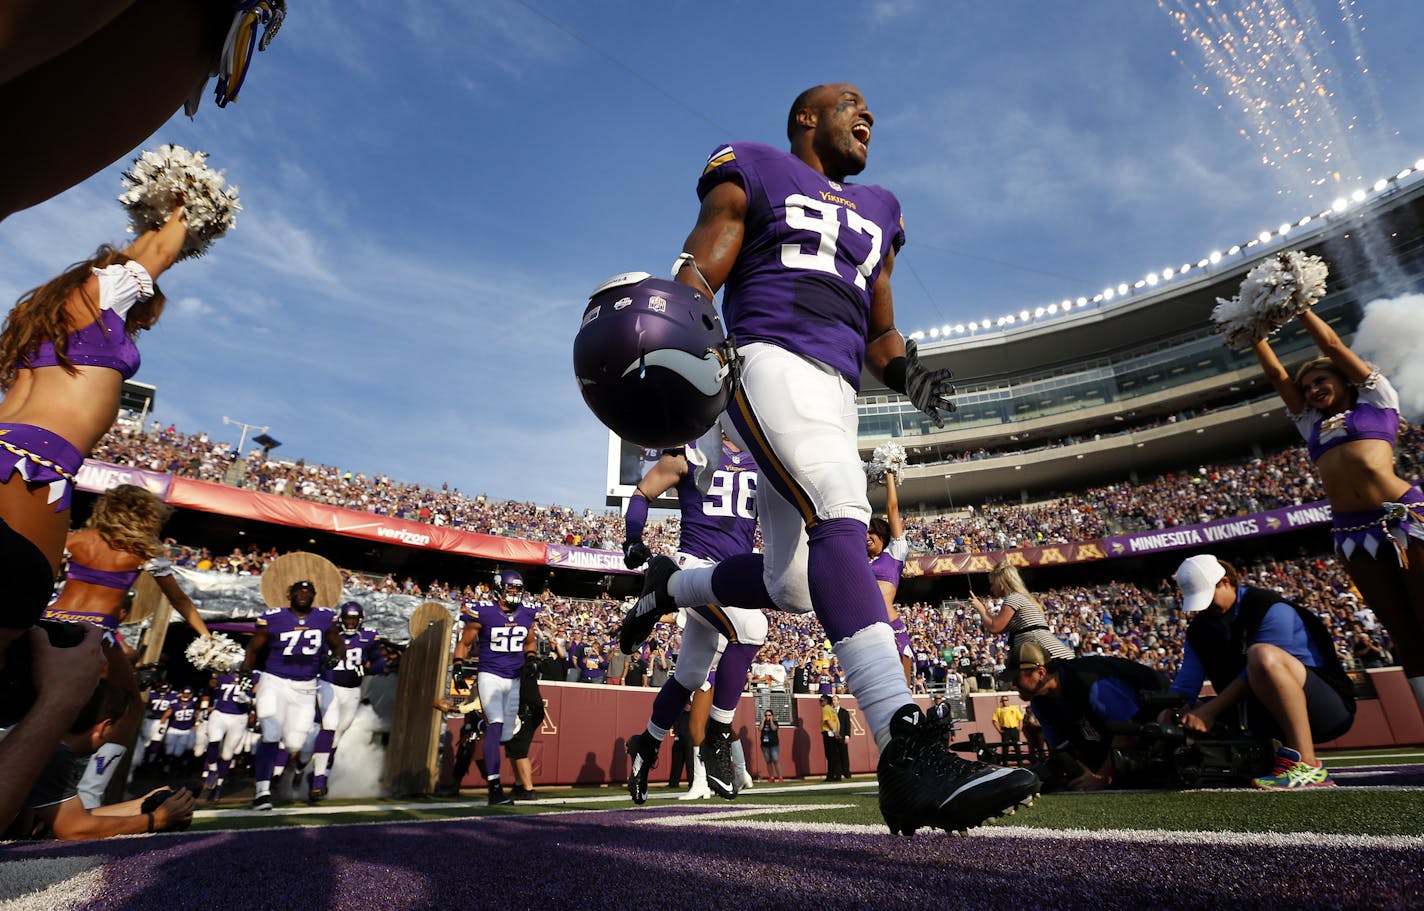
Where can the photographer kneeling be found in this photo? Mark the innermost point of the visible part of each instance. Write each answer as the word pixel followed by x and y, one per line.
pixel 53 808
pixel 1077 701
pixel 1265 654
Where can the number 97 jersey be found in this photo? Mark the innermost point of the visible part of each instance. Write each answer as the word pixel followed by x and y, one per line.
pixel 502 637
pixel 812 251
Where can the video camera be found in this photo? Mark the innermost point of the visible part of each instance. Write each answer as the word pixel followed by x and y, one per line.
pixel 1170 756
pixel 17 685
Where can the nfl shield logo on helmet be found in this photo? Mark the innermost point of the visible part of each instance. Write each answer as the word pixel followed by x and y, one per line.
pixel 657 375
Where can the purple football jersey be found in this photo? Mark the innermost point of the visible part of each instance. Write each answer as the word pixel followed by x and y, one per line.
pixel 159 702
pixel 231 697
pixel 721 523
pixel 810 256
pixel 502 636
pixel 185 715
pixel 360 648
pixel 295 644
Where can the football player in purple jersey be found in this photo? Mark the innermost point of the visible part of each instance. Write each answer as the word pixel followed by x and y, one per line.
pixel 718 524
pixel 806 258
pixel 180 719
pixel 338 693
pixel 300 636
pixel 503 633
pixel 227 728
pixel 160 699
pixel 887 549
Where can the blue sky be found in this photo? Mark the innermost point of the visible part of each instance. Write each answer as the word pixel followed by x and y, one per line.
pixel 431 189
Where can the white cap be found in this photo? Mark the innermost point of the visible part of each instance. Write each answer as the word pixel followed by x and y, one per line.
pixel 1197 578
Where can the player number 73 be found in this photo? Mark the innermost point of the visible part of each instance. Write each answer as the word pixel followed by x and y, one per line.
pixel 807 214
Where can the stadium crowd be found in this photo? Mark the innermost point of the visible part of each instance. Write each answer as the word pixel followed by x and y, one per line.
pixel 1215 491
pixel 1133 620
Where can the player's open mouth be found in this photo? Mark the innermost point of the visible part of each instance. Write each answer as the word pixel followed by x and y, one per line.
pixel 861 133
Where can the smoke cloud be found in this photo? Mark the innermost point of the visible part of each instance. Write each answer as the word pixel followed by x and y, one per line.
pixel 1391 336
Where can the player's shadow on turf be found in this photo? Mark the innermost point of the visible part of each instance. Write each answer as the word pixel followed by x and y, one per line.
pixel 591 772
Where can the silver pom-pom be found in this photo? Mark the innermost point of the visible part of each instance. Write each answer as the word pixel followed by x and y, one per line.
pixel 215 653
pixel 888 458
pixel 1278 288
pixel 162 179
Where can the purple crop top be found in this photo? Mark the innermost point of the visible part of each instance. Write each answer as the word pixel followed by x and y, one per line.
pixel 104 342
pixel 123 580
pixel 78 572
pixel 1374 417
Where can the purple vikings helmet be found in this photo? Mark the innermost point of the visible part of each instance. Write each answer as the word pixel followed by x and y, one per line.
pixel 652 361
pixel 509 587
pixel 352 610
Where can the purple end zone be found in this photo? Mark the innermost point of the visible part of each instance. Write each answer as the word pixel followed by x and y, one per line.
pixel 614 861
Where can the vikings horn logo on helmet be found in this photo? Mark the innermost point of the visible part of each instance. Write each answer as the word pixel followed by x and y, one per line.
pixel 653 363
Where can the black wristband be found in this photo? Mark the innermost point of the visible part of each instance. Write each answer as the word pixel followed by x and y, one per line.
pixel 895 374
pixel 151 822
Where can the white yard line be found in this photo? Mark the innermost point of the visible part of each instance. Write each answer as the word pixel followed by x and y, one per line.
pixel 1135 836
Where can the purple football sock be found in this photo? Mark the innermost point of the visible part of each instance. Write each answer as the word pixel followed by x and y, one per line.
pixel 279 764
pixel 843 588
pixel 667 705
pixel 221 775
pixel 263 762
pixel 493 732
pixel 738 581
pixel 210 759
pixel 732 670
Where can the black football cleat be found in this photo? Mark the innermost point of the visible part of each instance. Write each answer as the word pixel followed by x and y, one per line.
pixel 497 797
pixel 262 802
pixel 716 750
pixel 922 784
pixel 520 792
pixel 642 756
pixel 655 602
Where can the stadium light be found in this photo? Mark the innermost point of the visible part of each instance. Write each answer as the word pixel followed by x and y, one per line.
pixel 1338 206
pixel 260 428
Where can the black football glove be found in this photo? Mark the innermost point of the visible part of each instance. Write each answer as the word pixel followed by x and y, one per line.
pixel 331 661
pixel 929 390
pixel 635 553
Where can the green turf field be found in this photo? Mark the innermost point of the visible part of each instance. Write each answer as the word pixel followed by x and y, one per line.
pixel 1343 811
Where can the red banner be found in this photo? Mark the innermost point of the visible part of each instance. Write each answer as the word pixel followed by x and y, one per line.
pixel 267 507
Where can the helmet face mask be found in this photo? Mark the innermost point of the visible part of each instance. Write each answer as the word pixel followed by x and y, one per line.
pixel 351 611
pixel 652 361
pixel 509 588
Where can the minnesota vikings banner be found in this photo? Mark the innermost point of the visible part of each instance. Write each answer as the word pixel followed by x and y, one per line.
pixel 97 477
pixel 1180 537
pixel 603 561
